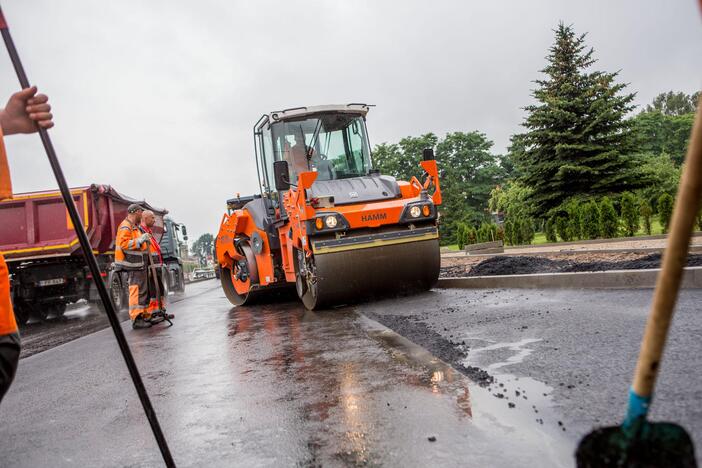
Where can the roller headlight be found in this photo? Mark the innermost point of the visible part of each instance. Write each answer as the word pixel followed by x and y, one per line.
pixel 415 211
pixel 330 221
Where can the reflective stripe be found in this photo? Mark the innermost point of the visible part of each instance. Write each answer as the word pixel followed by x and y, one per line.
pixel 125 227
pixel 131 244
pixel 125 263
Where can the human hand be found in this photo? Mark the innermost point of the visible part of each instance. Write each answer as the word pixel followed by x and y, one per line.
pixel 25 111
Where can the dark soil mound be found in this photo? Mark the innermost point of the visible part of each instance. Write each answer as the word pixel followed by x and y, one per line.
pixel 647 262
pixel 517 266
pixel 503 265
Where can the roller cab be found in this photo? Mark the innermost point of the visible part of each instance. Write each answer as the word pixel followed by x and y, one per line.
pixel 325 222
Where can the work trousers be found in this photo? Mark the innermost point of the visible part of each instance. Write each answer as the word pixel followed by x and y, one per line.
pixel 139 294
pixel 9 335
pixel 9 357
pixel 156 274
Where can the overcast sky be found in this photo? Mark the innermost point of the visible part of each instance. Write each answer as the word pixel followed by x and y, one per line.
pixel 158 98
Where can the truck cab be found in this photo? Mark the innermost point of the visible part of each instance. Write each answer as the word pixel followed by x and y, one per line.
pixel 174 236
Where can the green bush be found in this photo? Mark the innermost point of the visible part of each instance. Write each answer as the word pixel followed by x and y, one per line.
pixel 665 210
pixel 461 235
pixel 509 232
pixel 471 235
pixel 550 230
pixel 574 219
pixel 487 232
pixel 526 231
pixel 590 220
pixel 646 212
pixel 563 228
pixel 609 222
pixel 699 220
pixel 630 213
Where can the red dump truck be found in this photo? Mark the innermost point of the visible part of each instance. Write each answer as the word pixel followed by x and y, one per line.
pixel 46 264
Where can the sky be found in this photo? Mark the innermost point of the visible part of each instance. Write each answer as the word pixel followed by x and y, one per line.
pixel 158 98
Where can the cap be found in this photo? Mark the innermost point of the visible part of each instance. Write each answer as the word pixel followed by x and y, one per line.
pixel 134 207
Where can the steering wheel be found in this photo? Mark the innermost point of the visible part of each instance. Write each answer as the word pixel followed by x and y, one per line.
pixel 318 157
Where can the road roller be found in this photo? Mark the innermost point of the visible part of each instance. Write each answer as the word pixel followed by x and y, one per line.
pixel 325 222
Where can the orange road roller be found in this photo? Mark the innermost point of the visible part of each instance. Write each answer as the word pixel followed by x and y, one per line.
pixel 325 220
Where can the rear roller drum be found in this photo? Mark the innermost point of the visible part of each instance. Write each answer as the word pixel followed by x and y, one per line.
pixel 237 282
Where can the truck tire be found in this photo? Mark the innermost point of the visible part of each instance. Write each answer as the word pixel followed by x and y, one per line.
pixel 181 282
pixel 58 309
pixel 21 314
pixel 39 311
pixel 166 277
pixel 118 292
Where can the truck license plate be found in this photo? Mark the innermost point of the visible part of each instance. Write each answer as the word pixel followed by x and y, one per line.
pixel 52 282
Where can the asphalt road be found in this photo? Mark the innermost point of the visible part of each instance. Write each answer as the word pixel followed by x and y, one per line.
pixel 572 351
pixel 262 386
pixel 274 385
pixel 83 319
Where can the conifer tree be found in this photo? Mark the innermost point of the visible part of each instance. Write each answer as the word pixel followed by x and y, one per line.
pixel 578 140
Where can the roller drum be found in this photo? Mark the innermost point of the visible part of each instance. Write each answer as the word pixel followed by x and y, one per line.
pixel 353 275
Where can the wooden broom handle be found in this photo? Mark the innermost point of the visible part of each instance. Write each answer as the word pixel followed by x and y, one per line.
pixel 687 205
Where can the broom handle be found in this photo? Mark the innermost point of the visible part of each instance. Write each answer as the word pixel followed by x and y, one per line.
pixel 665 296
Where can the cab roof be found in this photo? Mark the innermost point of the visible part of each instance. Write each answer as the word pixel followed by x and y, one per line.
pixel 300 112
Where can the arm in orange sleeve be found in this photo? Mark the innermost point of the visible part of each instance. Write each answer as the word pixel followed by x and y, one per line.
pixel 5 182
pixel 124 238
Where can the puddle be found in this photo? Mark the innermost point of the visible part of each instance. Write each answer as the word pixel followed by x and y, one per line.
pixel 529 402
pixel 517 410
pixel 519 347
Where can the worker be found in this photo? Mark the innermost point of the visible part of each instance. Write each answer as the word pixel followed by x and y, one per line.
pixel 25 112
pixel 298 156
pixel 157 300
pixel 131 250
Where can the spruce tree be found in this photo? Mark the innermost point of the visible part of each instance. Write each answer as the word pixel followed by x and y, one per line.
pixel 577 140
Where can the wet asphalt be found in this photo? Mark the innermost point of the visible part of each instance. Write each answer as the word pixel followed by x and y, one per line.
pixel 271 385
pixel 565 357
pixel 82 319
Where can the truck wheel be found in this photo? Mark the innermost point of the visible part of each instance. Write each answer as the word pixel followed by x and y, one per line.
pixel 21 314
pixel 181 281
pixel 59 309
pixel 40 311
pixel 117 292
pixel 166 283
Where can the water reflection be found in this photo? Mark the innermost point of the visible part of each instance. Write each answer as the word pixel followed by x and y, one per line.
pixel 336 366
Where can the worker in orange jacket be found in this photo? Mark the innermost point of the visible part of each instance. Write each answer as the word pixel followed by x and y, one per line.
pixel 131 250
pixel 157 300
pixel 24 113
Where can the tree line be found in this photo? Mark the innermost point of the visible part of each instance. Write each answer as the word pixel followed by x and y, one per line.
pixel 584 167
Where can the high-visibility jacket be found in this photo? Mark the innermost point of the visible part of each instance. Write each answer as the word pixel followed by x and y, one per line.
pixel 8 324
pixel 129 252
pixel 154 247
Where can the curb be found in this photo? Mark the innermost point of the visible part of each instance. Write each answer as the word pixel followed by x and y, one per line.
pixel 199 280
pixel 613 279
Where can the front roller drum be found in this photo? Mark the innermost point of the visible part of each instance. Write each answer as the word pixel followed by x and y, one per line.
pixel 353 275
